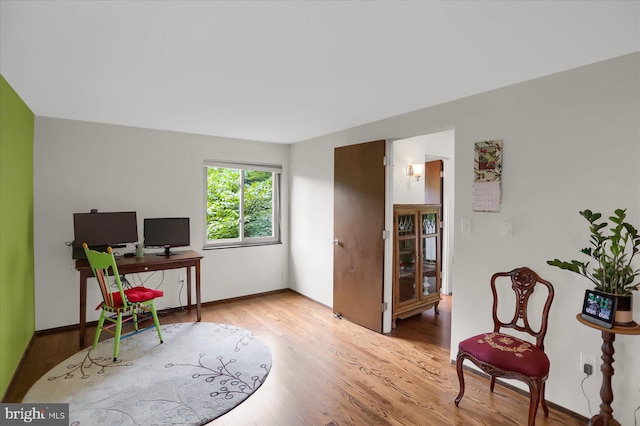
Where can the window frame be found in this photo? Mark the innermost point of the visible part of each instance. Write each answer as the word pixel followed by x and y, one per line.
pixel 276 212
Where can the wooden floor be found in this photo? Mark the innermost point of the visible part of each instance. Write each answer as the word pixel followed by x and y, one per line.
pixel 328 371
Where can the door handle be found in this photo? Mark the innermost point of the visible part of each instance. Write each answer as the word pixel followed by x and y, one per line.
pixel 336 242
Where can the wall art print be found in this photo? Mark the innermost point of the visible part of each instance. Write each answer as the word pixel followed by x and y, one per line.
pixel 487 190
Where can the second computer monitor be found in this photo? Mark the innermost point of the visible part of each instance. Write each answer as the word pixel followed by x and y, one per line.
pixel 166 232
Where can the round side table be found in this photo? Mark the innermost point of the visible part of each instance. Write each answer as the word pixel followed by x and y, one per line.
pixel 605 418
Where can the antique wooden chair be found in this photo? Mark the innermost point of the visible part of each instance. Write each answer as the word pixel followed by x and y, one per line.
pixel 503 355
pixel 120 305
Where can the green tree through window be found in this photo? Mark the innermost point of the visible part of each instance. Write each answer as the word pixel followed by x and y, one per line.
pixel 241 206
pixel 258 196
pixel 223 203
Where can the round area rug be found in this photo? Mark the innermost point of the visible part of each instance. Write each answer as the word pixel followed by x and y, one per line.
pixel 201 371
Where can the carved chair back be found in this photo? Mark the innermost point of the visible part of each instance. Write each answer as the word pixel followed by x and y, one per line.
pixel 523 282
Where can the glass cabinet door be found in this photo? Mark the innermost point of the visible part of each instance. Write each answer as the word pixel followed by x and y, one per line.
pixel 407 255
pixel 429 223
pixel 416 259
pixel 429 255
pixel 429 260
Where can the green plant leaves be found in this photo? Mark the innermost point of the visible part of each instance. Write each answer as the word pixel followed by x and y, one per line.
pixel 613 253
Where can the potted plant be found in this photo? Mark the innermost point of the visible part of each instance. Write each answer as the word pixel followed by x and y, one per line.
pixel 613 252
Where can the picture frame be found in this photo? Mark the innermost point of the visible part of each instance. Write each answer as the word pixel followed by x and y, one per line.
pixel 488 161
pixel 487 182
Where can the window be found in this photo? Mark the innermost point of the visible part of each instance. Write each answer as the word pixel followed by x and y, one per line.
pixel 242 204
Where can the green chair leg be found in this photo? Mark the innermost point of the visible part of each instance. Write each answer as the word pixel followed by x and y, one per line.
pixel 99 329
pixel 155 321
pixel 116 345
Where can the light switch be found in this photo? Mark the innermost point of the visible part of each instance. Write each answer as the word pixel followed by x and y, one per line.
pixel 466 226
pixel 506 229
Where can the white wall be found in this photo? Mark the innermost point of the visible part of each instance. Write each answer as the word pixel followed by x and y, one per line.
pixel 311 262
pixel 417 150
pixel 571 141
pixel 406 189
pixel 80 166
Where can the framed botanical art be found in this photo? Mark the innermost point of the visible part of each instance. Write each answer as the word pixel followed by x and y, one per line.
pixel 488 161
pixel 487 191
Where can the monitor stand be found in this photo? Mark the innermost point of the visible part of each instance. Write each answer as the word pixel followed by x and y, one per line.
pixel 167 252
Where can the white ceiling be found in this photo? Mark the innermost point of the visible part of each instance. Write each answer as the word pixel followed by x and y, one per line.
pixel 289 71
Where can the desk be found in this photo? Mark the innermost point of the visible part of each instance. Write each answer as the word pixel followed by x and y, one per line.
pixel 148 263
pixel 605 418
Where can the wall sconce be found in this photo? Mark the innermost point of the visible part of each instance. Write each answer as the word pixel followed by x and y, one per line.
pixel 414 170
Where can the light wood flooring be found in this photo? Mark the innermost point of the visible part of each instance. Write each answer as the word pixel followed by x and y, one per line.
pixel 328 371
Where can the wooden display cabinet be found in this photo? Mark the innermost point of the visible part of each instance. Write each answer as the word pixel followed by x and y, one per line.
pixel 416 259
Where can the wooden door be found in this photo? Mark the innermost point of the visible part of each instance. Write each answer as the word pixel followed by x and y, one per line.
pixel 358 255
pixel 433 189
pixel 433 182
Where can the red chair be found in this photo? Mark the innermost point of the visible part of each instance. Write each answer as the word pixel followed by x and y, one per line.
pixel 503 355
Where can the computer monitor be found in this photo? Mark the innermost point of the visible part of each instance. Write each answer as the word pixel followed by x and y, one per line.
pixel 166 232
pixel 100 230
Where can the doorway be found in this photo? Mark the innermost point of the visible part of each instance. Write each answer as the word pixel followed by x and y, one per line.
pixel 405 190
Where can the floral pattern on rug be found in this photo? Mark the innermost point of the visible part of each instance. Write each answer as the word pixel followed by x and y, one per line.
pixel 201 371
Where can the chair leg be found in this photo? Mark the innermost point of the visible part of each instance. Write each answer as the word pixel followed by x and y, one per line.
pixel 493 383
pixel 134 314
pixel 459 361
pixel 543 400
pixel 116 345
pixel 156 321
pixel 534 399
pixel 103 315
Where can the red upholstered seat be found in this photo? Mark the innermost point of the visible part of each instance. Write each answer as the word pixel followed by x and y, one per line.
pixel 134 295
pixel 508 353
pixel 137 294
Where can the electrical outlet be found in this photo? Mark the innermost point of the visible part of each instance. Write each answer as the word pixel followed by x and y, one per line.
pixel 588 359
pixel 180 279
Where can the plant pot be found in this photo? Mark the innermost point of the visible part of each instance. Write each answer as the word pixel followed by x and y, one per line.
pixel 624 312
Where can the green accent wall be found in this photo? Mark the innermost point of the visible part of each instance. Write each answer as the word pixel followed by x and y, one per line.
pixel 17 292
